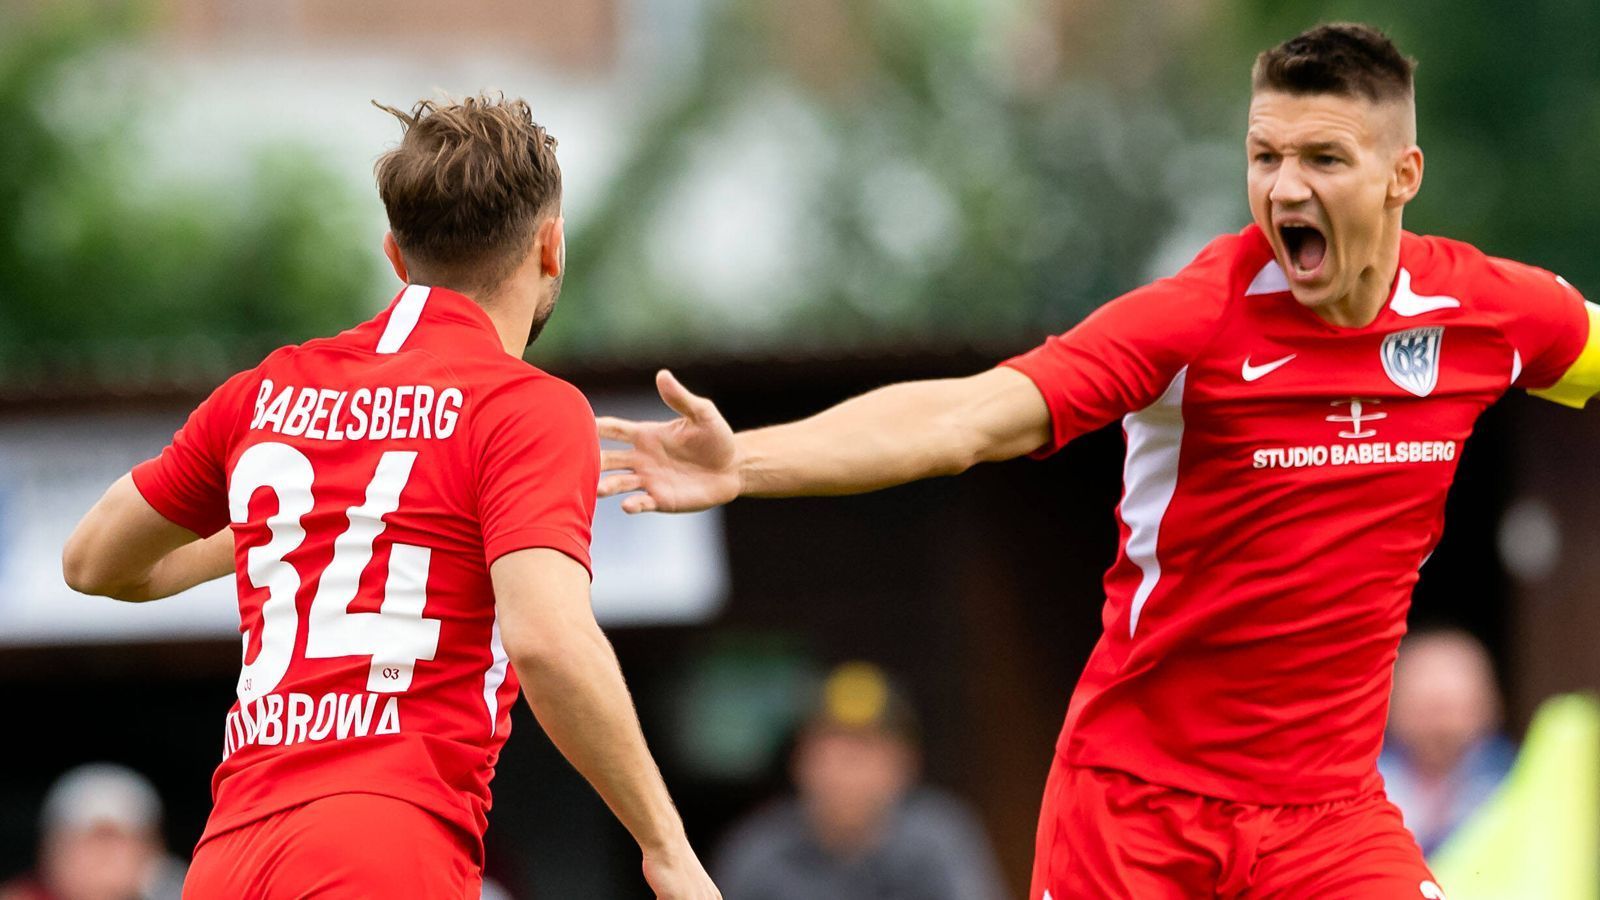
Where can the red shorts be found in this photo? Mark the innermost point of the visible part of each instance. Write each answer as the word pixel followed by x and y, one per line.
pixel 1104 834
pixel 346 845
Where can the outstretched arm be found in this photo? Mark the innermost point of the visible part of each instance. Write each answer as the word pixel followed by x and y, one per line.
pixel 575 687
pixel 1120 359
pixel 886 437
pixel 124 549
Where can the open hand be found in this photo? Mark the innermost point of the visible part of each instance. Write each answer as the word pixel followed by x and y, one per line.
pixel 685 465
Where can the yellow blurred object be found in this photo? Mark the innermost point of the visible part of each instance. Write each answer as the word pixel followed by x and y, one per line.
pixel 856 694
pixel 1539 835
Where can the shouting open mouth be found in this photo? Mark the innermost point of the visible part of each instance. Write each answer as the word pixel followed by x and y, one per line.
pixel 1307 247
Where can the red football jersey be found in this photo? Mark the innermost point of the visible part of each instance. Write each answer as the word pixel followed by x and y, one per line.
pixel 1285 480
pixel 370 480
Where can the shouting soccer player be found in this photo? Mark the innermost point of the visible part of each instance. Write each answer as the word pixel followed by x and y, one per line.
pixel 410 505
pixel 1295 402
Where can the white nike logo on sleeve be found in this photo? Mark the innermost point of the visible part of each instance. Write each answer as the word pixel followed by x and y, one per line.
pixel 1253 373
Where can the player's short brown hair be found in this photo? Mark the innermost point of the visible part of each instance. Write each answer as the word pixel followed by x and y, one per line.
pixel 467 188
pixel 1349 59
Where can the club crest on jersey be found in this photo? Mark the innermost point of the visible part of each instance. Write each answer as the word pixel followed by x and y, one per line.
pixel 1411 358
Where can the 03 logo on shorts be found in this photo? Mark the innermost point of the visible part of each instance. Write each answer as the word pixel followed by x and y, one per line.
pixel 1432 891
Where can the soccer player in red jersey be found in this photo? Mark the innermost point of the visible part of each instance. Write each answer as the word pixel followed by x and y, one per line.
pixel 409 505
pixel 1295 402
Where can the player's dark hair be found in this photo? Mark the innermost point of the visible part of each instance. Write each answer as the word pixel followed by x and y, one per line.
pixel 467 188
pixel 1351 60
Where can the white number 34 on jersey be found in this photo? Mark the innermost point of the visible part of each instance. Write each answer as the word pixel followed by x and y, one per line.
pixel 395 637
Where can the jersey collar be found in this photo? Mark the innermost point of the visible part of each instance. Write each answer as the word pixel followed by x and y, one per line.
pixel 1263 276
pixel 450 311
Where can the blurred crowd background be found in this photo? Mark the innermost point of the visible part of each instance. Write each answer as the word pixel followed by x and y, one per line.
pixel 788 203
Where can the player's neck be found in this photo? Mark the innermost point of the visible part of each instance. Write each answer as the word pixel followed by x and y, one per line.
pixel 1360 307
pixel 511 325
pixel 512 316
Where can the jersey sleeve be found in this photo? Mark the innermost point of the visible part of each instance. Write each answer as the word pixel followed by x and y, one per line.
pixel 1127 353
pixel 188 482
pixel 538 470
pixel 1553 331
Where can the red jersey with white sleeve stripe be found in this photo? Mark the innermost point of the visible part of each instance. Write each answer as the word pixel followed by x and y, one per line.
pixel 1285 480
pixel 370 480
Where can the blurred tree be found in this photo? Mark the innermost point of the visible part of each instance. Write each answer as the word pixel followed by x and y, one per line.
pixel 893 171
pixel 110 281
pixel 823 173
pixel 886 172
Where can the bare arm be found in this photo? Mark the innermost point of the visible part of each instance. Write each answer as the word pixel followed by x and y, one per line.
pixel 124 549
pixel 889 436
pixel 895 434
pixel 575 687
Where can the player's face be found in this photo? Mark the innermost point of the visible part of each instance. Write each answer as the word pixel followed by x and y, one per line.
pixel 1323 186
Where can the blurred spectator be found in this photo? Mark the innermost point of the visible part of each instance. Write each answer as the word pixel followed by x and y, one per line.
pixel 1444 754
pixel 860 826
pixel 100 839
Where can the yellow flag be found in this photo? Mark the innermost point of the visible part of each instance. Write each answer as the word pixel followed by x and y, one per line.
pixel 1538 836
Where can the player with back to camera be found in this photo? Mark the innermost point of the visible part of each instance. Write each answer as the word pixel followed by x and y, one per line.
pixel 409 504
pixel 1294 400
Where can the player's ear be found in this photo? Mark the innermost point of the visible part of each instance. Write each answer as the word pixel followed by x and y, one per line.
pixel 552 243
pixel 1407 177
pixel 392 250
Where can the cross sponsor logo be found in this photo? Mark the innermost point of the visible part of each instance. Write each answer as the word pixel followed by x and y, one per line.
pixel 1357 417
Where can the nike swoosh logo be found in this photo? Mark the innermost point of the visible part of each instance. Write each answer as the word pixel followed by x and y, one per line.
pixel 1254 373
pixel 1408 304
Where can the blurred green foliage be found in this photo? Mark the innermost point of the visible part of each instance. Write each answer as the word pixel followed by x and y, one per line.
pixel 932 187
pixel 109 281
pixel 840 174
pixel 974 170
